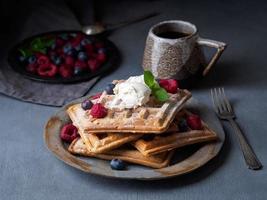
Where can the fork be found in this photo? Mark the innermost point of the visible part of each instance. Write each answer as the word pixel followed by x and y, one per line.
pixel 224 111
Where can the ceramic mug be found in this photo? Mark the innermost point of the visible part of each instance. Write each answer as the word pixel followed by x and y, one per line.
pixel 173 50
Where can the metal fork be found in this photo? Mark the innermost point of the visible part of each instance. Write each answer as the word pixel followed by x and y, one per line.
pixel 224 111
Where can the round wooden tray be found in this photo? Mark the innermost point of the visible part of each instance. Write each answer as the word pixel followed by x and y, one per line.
pixel 111 63
pixel 187 160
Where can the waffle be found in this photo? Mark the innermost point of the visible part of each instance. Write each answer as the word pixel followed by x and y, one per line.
pixel 103 142
pixel 154 144
pixel 129 155
pixel 154 117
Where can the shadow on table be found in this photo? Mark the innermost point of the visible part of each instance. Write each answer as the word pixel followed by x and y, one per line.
pixel 197 176
pixel 226 74
pixel 13 15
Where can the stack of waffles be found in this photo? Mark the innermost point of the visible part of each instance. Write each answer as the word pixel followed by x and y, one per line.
pixel 147 135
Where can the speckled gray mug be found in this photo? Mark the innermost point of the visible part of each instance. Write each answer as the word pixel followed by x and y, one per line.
pixel 181 57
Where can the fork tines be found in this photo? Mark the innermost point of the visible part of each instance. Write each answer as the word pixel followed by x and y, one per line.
pixel 220 102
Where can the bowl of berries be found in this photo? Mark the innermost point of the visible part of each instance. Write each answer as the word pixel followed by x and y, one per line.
pixel 63 57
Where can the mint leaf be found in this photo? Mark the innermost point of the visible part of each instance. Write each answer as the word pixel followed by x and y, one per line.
pixel 149 79
pixel 160 94
pixel 156 86
pixel 157 91
pixel 38 45
pixel 49 42
pixel 43 50
pixel 25 52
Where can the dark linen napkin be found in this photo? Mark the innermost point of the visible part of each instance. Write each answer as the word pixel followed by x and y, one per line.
pixel 30 18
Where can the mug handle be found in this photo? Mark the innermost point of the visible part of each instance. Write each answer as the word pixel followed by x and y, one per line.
pixel 220 46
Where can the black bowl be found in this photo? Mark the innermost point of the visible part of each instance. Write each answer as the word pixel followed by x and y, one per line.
pixel 110 65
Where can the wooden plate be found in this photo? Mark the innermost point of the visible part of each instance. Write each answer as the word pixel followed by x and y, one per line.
pixel 186 159
pixel 111 63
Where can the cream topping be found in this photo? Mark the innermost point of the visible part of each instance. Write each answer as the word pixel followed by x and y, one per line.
pixel 130 94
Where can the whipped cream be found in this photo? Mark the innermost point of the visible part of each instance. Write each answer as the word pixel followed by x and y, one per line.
pixel 130 94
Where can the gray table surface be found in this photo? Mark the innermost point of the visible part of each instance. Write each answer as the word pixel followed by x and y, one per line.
pixel 29 171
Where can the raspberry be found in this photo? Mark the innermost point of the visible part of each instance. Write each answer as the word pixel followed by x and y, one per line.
pixel 194 122
pixel 39 54
pixel 80 64
pixel 89 48
pixel 98 111
pixel 60 51
pixel 65 71
pixel 93 56
pixel 93 64
pixel 170 85
pixel 69 60
pixel 32 68
pixel 76 40
pixel 80 37
pixel 43 60
pixel 74 43
pixel 101 57
pixel 68 133
pixel 59 42
pixel 99 45
pixel 47 70
pixel 52 53
pixel 96 96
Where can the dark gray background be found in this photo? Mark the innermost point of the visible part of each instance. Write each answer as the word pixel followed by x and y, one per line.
pixel 29 171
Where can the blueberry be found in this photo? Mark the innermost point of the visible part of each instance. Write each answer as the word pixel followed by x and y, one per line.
pixel 86 41
pixel 78 71
pixel 82 56
pixel 87 104
pixel 67 48
pixel 182 124
pixel 53 46
pixel 53 57
pixel 22 59
pixel 109 88
pixel 102 50
pixel 57 60
pixel 73 34
pixel 79 48
pixel 32 59
pixel 72 53
pixel 117 164
pixel 64 36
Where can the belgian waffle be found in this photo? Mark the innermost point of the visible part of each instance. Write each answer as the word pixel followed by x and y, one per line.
pixel 129 155
pixel 154 117
pixel 154 144
pixel 103 142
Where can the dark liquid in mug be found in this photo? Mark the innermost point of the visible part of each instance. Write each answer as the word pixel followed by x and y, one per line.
pixel 172 35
